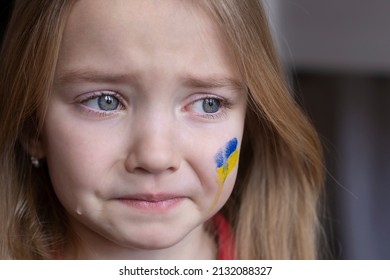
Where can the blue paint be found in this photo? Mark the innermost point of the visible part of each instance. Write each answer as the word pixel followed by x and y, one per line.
pixel 223 154
pixel 219 160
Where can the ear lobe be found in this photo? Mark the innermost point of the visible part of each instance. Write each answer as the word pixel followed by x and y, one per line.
pixel 33 147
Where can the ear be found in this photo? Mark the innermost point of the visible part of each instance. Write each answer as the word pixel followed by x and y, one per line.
pixel 33 147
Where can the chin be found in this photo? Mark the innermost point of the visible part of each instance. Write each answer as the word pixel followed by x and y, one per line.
pixel 156 241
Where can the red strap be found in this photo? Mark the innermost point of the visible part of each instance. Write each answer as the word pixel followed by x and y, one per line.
pixel 225 238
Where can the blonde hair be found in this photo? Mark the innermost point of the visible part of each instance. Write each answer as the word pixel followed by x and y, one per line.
pixel 273 207
pixel 32 222
pixel 274 204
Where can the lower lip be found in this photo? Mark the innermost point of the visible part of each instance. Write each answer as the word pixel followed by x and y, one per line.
pixel 147 205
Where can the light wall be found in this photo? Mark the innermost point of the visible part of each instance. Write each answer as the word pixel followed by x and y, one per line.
pixel 337 35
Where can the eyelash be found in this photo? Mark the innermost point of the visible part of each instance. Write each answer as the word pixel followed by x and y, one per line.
pixel 225 104
pixel 96 95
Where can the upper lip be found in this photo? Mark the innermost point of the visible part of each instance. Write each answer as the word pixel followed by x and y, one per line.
pixel 151 197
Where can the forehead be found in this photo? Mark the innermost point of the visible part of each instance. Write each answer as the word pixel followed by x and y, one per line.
pixel 148 15
pixel 120 32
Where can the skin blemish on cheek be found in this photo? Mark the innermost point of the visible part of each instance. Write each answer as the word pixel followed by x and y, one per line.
pixel 226 159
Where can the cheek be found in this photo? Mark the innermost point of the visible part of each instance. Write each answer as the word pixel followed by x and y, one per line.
pixel 70 172
pixel 73 154
pixel 74 144
pixel 218 171
pixel 226 160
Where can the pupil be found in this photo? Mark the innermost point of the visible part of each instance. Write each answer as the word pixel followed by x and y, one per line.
pixel 108 99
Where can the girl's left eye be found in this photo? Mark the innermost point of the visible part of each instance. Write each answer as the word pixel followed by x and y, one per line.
pixel 103 102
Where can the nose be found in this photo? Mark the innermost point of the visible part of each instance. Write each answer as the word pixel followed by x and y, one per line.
pixel 154 147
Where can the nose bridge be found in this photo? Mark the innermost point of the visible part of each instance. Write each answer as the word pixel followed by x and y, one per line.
pixel 156 130
pixel 154 148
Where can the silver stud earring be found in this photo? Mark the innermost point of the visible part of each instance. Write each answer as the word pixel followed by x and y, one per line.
pixel 35 162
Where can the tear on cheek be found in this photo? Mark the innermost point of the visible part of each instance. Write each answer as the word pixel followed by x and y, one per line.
pixel 225 160
pixel 79 211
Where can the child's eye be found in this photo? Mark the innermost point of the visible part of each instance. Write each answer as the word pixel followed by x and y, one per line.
pixel 103 102
pixel 209 105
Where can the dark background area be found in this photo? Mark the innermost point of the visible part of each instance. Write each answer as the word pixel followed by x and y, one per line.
pixel 352 113
pixel 336 54
pixel 5 8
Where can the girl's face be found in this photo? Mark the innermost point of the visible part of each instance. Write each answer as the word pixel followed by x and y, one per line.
pixel 146 97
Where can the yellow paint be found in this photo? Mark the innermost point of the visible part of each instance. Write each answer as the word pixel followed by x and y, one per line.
pixel 222 173
pixel 225 169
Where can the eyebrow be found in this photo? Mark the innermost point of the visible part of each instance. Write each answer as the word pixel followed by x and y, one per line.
pixel 213 82
pixel 94 76
pixel 190 81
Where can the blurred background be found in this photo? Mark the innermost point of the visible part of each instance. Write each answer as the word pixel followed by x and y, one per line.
pixel 336 54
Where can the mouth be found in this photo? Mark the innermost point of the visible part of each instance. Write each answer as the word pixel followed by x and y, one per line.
pixel 146 202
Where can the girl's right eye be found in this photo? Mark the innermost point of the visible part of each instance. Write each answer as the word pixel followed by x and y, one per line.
pixel 102 101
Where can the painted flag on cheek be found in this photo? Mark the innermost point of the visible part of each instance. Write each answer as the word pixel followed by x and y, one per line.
pixel 226 159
